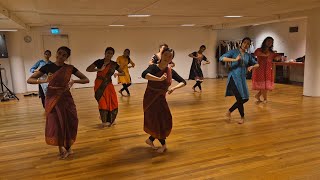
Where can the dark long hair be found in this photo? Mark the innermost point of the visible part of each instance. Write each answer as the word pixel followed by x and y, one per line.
pixel 264 44
pixel 128 56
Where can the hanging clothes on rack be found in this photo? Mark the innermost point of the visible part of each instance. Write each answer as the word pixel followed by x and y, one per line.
pixel 225 46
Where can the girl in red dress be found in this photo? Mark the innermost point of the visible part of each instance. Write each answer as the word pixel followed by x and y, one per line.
pixel 262 77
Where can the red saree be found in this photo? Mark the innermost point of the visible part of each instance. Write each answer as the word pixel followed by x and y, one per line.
pixel 105 94
pixel 61 120
pixel 157 115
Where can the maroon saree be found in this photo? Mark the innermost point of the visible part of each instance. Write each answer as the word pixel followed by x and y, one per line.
pixel 157 115
pixel 61 121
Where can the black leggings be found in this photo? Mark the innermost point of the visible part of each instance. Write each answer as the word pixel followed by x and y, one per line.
pixel 42 96
pixel 198 83
pixel 125 87
pixel 162 141
pixel 239 104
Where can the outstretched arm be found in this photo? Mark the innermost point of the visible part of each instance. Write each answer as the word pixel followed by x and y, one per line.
pixel 34 78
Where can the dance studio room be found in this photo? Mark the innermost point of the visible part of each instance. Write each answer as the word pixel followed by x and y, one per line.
pixel 160 89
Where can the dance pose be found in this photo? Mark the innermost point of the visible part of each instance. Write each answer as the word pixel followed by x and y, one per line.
pixel 124 62
pixel 105 93
pixel 61 114
pixel 237 84
pixel 157 115
pixel 262 77
pixel 195 70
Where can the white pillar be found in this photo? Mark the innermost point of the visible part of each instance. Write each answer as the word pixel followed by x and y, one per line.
pixel 311 85
pixel 211 69
pixel 18 74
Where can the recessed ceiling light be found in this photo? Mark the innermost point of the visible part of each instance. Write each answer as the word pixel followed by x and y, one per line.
pixel 187 24
pixel 139 15
pixel 116 25
pixel 233 16
pixel 8 30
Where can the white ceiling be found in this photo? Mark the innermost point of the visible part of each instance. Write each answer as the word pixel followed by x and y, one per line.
pixel 164 13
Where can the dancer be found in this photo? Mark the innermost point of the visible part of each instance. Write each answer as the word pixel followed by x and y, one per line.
pixel 236 84
pixel 195 70
pixel 105 93
pixel 61 114
pixel 157 115
pixel 156 57
pixel 44 86
pixel 124 62
pixel 262 77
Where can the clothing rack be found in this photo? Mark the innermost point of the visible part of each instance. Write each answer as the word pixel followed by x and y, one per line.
pixel 225 46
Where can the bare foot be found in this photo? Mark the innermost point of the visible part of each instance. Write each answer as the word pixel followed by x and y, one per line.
pixel 107 124
pixel 162 149
pixel 194 90
pixel 150 143
pixel 65 155
pixel 241 121
pixel 61 151
pixel 70 151
pixel 265 101
pixel 258 98
pixel 114 123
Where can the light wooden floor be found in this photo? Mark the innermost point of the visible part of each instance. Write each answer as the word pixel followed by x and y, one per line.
pixel 280 140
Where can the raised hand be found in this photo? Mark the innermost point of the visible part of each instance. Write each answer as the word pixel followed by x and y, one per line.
pixel 250 68
pixel 163 77
pixel 103 67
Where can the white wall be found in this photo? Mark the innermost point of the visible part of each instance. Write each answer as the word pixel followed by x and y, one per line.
pixel 292 44
pixel 232 34
pixel 87 45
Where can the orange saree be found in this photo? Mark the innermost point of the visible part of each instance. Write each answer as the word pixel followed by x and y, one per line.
pixel 105 94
